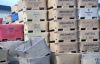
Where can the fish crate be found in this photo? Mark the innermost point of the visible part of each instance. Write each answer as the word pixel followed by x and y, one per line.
pixel 11 32
pixel 88 13
pixel 53 4
pixel 89 47
pixel 63 25
pixel 63 37
pixel 36 26
pixel 61 14
pixel 88 24
pixel 64 47
pixel 89 36
pixel 88 4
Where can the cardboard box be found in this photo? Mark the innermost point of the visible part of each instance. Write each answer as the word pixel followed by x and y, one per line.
pixel 66 58
pixel 61 4
pixel 89 24
pixel 36 26
pixel 89 36
pixel 88 13
pixel 64 47
pixel 20 5
pixel 8 19
pixel 33 5
pixel 59 14
pixel 14 9
pixel 89 46
pixel 35 15
pixel 63 25
pixel 21 16
pixel 87 3
pixel 62 36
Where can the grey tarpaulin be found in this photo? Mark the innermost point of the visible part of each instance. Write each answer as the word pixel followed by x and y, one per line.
pixel 36 47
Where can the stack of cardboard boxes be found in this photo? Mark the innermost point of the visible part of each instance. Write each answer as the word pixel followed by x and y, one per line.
pixel 33 14
pixel 88 25
pixel 63 32
pixel 70 27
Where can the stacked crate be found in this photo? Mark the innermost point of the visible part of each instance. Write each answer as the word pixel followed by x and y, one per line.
pixel 88 25
pixel 33 14
pixel 63 36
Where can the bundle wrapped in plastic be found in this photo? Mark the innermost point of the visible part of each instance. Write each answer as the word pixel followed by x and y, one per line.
pixel 34 48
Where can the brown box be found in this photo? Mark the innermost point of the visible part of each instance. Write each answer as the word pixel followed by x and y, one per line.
pixel 66 58
pixel 14 9
pixel 87 3
pixel 35 26
pixel 88 24
pixel 89 46
pixel 64 47
pixel 62 36
pixel 63 25
pixel 89 36
pixel 61 4
pixel 20 5
pixel 8 19
pixel 21 16
pixel 35 15
pixel 33 5
pixel 59 14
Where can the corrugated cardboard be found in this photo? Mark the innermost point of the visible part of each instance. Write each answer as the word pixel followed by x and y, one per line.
pixel 65 25
pixel 66 58
pixel 89 24
pixel 89 46
pixel 64 36
pixel 64 47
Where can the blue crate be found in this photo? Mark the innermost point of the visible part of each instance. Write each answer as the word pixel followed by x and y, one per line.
pixel 14 17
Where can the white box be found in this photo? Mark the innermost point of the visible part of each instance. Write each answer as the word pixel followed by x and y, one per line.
pixel 63 25
pixel 61 4
pixel 59 14
pixel 89 36
pixel 89 24
pixel 63 36
pixel 88 13
pixel 90 58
